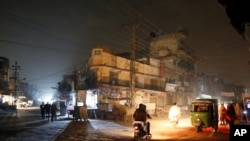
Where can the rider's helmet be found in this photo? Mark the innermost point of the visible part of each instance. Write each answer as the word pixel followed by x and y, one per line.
pixel 140 106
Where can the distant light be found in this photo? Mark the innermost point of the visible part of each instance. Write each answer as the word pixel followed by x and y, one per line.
pixel 89 92
pixel 204 96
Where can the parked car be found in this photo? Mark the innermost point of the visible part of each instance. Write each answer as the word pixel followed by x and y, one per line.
pixel 22 103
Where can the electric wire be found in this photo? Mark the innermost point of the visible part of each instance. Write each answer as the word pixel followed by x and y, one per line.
pixel 22 21
pixel 36 46
pixel 30 24
pixel 122 37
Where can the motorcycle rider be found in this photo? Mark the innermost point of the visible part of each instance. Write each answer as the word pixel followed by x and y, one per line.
pixel 141 114
pixel 175 111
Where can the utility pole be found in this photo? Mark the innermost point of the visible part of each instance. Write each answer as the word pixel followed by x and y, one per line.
pixel 15 68
pixel 133 25
pixel 76 86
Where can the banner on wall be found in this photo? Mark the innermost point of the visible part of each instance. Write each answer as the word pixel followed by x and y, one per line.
pixel 114 91
pixel 81 96
pixel 170 87
pixel 228 94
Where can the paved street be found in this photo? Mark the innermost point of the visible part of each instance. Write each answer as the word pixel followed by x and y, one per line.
pixel 161 130
pixel 95 130
pixel 65 129
pixel 45 132
pixel 104 130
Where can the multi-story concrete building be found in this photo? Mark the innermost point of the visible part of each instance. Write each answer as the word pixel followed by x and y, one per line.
pixel 4 75
pixel 10 85
pixel 177 66
pixel 5 92
pixel 110 78
pixel 167 76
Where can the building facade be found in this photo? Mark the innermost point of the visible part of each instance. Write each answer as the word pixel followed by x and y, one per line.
pixel 177 66
pixel 158 82
pixel 4 75
pixel 111 77
pixel 169 75
pixel 5 91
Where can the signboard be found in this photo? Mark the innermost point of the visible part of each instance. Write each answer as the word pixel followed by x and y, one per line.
pixel 170 87
pixel 81 96
pixel 246 94
pixel 228 94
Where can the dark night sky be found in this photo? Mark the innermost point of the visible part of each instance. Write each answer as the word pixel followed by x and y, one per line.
pixel 48 38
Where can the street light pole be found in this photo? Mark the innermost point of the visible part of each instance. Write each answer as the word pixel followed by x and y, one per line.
pixel 22 86
pixel 76 87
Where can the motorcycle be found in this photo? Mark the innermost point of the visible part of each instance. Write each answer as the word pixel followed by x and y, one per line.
pixel 140 130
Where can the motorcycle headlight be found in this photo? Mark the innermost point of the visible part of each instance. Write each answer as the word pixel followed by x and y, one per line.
pixel 244 112
pixel 198 119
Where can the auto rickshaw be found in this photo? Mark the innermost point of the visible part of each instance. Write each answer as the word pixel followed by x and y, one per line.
pixel 204 113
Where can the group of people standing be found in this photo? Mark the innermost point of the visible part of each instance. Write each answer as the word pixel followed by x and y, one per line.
pixel 230 114
pixel 48 110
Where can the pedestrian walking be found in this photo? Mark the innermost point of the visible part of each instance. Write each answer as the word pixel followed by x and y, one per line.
pixel 174 112
pixel 238 113
pixel 42 108
pixel 222 114
pixel 53 111
pixel 47 110
pixel 230 114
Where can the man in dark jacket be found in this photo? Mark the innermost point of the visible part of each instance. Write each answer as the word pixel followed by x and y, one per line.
pixel 53 111
pixel 47 109
pixel 141 114
pixel 42 108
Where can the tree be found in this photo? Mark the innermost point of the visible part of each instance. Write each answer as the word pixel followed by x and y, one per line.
pixel 64 88
pixel 238 13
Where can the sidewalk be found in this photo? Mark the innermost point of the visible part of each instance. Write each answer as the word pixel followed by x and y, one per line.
pixel 45 132
pixel 109 130
pixel 65 129
pixel 68 130
pixel 2 111
pixel 94 129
